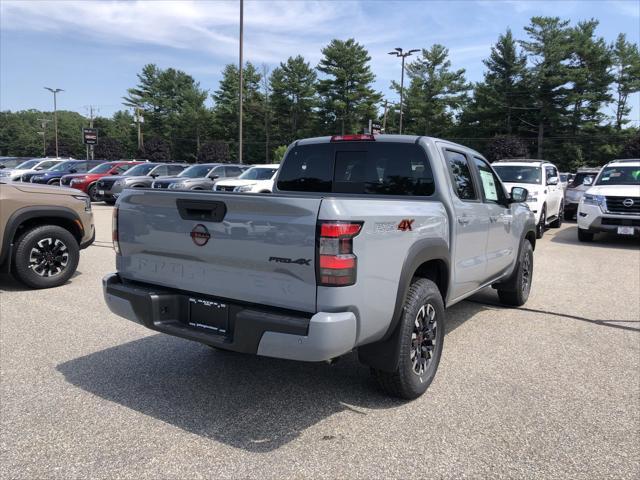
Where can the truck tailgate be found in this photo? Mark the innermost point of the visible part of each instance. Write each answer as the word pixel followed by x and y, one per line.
pixel 252 248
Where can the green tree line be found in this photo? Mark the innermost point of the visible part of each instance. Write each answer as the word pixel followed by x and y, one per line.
pixel 561 92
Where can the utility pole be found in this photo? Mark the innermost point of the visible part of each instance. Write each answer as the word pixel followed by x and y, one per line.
pixel 384 118
pixel 402 54
pixel 55 91
pixel 43 124
pixel 90 147
pixel 139 120
pixel 241 85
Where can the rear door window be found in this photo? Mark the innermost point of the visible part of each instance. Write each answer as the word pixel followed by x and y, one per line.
pixel 161 170
pixel 491 185
pixel 232 171
pixel 461 175
pixel 360 168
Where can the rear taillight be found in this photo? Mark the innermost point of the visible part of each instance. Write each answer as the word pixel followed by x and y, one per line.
pixel 114 231
pixel 359 137
pixel 337 264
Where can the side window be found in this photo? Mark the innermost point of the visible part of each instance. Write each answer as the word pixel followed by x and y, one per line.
pixel 461 175
pixel 124 168
pixel 174 169
pixel 161 170
pixel 491 185
pixel 551 172
pixel 232 171
pixel 81 167
pixel 219 171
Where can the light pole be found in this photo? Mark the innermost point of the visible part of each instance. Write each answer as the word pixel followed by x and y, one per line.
pixel 240 90
pixel 402 54
pixel 55 91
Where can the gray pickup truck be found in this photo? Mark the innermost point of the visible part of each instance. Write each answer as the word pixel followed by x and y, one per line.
pixel 362 245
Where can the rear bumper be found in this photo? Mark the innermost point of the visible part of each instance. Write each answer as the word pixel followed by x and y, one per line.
pixel 251 329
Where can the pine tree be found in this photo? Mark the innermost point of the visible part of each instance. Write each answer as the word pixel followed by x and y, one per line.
pixel 225 112
pixel 435 93
pixel 549 48
pixel 499 100
pixel 626 71
pixel 348 99
pixel 293 99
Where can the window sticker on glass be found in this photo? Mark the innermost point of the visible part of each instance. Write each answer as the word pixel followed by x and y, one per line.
pixel 489 186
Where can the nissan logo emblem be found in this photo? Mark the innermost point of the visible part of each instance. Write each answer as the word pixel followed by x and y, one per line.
pixel 200 235
pixel 628 202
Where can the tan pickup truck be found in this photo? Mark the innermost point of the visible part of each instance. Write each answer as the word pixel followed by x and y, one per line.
pixel 42 230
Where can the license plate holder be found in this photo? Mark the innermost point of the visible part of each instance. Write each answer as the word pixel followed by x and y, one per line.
pixel 625 230
pixel 208 315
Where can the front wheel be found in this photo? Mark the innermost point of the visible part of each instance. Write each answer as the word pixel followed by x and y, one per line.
pixel 516 292
pixel 584 235
pixel 557 223
pixel 542 224
pixel 55 183
pixel 421 339
pixel 46 256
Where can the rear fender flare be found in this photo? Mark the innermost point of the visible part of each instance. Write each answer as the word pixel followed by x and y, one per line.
pixel 383 354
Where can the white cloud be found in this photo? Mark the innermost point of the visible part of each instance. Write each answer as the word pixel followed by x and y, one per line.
pixel 205 26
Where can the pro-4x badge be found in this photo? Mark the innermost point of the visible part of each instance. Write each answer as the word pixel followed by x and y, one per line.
pixel 405 225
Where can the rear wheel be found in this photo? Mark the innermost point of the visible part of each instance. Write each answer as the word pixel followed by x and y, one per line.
pixel 515 292
pixel 585 235
pixel 55 183
pixel 46 256
pixel 557 223
pixel 421 339
pixel 542 224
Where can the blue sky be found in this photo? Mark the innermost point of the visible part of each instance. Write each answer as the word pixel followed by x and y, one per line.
pixel 93 49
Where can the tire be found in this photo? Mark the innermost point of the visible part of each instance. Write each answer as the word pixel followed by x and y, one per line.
pixel 61 249
pixel 540 228
pixel 423 313
pixel 55 183
pixel 515 292
pixel 557 223
pixel 91 191
pixel 585 235
pixel 265 191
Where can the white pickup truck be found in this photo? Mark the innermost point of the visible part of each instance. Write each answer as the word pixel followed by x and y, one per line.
pixel 364 242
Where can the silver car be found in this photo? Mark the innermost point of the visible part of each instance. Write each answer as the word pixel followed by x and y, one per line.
pixel 201 176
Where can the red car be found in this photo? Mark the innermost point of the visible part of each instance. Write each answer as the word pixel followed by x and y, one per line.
pixel 86 182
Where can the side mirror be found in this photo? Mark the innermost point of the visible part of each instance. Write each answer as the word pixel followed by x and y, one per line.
pixel 114 173
pixel 519 194
pixel 587 181
pixel 38 168
pixel 552 181
pixel 214 176
pixel 153 175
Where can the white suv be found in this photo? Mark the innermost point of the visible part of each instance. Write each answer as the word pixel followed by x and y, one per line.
pixel 541 179
pixel 612 204
pixel 257 179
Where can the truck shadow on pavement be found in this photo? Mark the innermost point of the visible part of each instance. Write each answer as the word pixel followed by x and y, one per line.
pixel 254 403
pixel 602 240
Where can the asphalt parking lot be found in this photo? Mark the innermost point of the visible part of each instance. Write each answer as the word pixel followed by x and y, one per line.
pixel 549 390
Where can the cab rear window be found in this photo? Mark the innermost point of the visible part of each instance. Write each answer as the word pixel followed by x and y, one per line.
pixel 359 168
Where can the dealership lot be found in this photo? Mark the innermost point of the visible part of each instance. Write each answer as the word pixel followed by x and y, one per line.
pixel 549 390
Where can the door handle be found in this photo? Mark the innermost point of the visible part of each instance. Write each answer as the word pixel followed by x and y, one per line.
pixel 494 218
pixel 463 220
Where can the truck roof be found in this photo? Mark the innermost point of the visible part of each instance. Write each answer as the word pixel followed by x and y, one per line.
pixel 387 138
